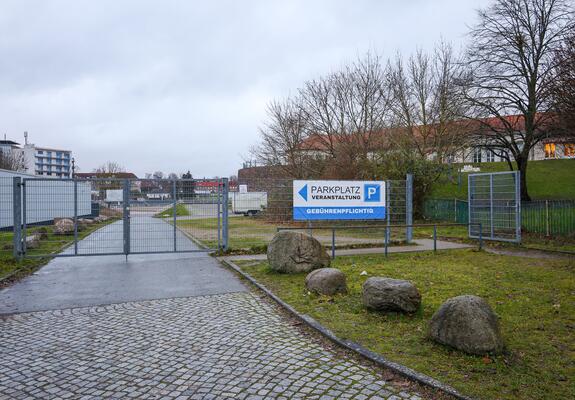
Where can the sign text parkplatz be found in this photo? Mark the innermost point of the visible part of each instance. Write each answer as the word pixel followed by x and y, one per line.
pixel 333 200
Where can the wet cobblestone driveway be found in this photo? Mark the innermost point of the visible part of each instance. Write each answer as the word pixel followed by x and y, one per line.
pixel 209 347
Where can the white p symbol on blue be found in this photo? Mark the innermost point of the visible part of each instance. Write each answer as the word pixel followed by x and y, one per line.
pixel 372 192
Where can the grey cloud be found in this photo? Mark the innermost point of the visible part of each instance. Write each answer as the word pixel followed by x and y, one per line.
pixel 178 85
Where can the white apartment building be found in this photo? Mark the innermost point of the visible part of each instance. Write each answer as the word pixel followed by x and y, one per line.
pixel 41 161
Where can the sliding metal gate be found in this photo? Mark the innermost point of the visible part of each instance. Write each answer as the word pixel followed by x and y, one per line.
pixel 495 206
pixel 85 217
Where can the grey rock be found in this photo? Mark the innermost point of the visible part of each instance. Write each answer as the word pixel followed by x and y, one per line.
pixel 294 252
pixel 326 281
pixel 387 294
pixel 33 241
pixel 63 226
pixel 467 323
pixel 42 233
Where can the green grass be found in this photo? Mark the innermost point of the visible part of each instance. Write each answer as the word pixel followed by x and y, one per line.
pixel 253 234
pixel 52 244
pixel 181 211
pixel 534 299
pixel 529 241
pixel 549 179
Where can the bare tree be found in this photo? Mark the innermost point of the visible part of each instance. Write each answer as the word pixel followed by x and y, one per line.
pixel 346 113
pixel 12 160
pixel 563 87
pixel 510 61
pixel 110 167
pixel 427 105
pixel 283 137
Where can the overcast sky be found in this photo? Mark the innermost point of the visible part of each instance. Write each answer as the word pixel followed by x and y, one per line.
pixel 183 85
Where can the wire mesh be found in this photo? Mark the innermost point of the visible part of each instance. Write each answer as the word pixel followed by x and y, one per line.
pixel 494 204
pixel 119 216
pixel 6 217
pixel 260 205
pixel 541 217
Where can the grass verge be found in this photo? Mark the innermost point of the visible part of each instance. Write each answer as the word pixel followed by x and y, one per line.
pixel 248 235
pixel 181 211
pixel 534 299
pixel 12 269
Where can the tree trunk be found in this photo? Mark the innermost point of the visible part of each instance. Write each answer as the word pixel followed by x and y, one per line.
pixel 522 168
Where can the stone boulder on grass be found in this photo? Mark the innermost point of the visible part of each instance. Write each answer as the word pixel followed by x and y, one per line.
pixel 387 294
pixel 63 226
pixel 294 252
pixel 467 323
pixel 326 281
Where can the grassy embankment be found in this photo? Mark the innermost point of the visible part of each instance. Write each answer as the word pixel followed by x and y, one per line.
pixel 546 180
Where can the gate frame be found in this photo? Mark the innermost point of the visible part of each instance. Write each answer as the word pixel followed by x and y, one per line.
pixel 492 236
pixel 20 223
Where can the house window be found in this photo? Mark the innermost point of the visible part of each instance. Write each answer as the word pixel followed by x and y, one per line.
pixel 569 149
pixel 490 156
pixel 550 150
pixel 477 155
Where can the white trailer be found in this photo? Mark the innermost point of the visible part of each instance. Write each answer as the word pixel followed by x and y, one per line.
pixel 248 203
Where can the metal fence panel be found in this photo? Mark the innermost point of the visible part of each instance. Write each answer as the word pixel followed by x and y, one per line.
pixel 451 210
pixel 540 217
pixel 262 204
pixel 495 206
pixel 121 216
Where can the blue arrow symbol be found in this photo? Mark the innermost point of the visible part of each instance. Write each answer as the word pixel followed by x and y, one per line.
pixel 303 192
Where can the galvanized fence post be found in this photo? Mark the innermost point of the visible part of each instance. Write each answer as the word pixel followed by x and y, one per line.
pixel 518 206
pixel 225 213
pixel 388 216
pixel 435 238
pixel 175 212
pixel 332 243
pixel 469 205
pixel 409 208
pixel 492 228
pixel 126 217
pixel 75 217
pixel 17 217
pixel 23 248
pixel 219 204
pixel 386 243
pixel 547 230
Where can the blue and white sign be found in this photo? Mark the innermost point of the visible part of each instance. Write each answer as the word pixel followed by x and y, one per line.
pixel 333 200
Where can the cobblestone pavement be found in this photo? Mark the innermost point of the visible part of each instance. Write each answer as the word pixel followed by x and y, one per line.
pixel 209 347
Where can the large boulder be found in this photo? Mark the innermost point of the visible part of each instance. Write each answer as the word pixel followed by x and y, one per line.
pixel 467 323
pixel 63 226
pixel 293 252
pixel 387 294
pixel 326 281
